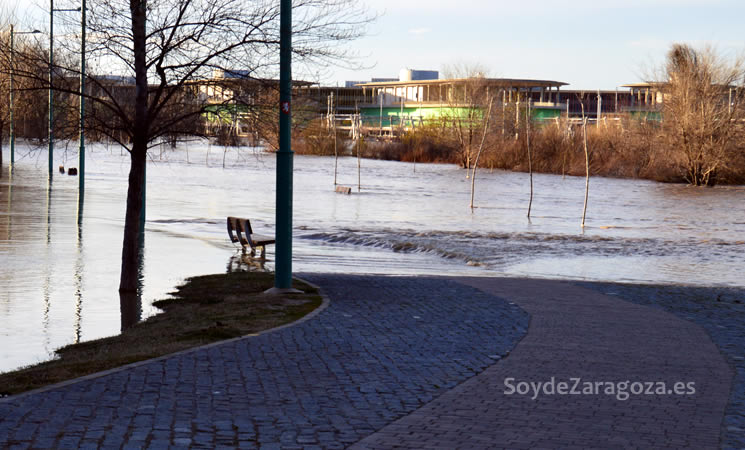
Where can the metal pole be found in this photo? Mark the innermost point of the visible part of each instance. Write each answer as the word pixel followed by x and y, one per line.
pixel 12 71
pixel 380 96
pixel 401 118
pixel 12 134
pixel 81 151
pixel 283 265
pixel 51 92
pixel 358 127
pixel 615 109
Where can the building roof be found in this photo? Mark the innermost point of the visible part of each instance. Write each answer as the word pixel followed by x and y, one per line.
pixel 501 82
pixel 644 85
pixel 595 91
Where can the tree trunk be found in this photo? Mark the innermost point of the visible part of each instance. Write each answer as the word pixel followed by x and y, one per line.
pixel 336 153
pixel 587 166
pixel 530 156
pixel 359 161
pixel 478 155
pixel 130 305
pixel 711 178
pixel 131 245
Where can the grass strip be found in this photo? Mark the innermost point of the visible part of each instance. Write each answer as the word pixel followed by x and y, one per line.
pixel 203 310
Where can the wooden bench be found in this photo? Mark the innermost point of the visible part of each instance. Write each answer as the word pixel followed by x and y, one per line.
pixel 237 225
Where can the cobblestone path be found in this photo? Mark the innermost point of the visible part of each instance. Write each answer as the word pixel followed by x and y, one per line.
pixel 383 348
pixel 577 333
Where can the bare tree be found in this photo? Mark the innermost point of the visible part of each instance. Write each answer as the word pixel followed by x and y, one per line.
pixel 702 110
pixel 587 157
pixel 27 113
pixel 467 100
pixel 161 50
pixel 481 147
pixel 4 106
pixel 4 80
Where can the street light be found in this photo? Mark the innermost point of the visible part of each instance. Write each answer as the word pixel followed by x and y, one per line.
pixel 81 151
pixel 283 246
pixel 52 10
pixel 12 70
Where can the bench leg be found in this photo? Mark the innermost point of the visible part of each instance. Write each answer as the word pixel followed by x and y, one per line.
pixel 263 251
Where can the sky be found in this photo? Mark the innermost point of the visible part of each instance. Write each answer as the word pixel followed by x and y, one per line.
pixel 598 44
pixel 590 44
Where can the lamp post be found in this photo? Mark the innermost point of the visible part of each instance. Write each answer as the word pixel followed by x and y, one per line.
pixel 81 151
pixel 52 10
pixel 283 265
pixel 12 70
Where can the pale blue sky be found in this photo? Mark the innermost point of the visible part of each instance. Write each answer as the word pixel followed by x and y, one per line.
pixel 590 44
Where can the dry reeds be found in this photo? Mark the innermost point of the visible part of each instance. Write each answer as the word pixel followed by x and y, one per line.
pixel 623 147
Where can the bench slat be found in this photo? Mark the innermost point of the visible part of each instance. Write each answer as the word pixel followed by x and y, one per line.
pixel 262 240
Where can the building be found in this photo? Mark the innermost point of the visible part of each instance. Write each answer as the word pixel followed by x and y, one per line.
pixel 406 103
pixel 645 100
pixel 415 75
pixel 601 103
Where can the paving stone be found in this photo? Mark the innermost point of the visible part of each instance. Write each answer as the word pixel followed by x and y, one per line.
pixel 388 348
pixel 577 333
pixel 721 312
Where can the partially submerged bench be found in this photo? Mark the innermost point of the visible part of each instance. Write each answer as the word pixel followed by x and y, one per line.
pixel 247 239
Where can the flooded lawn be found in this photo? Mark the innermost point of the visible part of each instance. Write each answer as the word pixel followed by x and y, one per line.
pixel 59 275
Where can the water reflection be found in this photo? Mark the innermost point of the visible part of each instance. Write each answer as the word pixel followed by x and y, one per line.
pixel 9 225
pixel 244 262
pixel 81 197
pixel 47 269
pixel 79 269
pixel 49 212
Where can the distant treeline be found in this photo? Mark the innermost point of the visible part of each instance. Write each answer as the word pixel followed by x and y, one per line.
pixel 624 148
pixel 698 136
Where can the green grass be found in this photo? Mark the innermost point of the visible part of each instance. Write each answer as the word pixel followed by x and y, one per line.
pixel 205 309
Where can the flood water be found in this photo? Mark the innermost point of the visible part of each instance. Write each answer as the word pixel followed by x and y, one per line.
pixel 59 275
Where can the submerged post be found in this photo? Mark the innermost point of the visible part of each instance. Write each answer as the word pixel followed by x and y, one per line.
pixel 12 135
pixel 51 92
pixel 283 265
pixel 332 112
pixel 530 155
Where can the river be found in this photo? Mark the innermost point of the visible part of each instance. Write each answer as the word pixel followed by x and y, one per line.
pixel 59 265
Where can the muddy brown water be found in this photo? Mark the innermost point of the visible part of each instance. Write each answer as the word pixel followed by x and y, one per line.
pixel 59 275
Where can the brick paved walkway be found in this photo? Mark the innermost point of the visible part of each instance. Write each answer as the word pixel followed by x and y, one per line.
pixel 391 363
pixel 575 332
pixel 383 348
